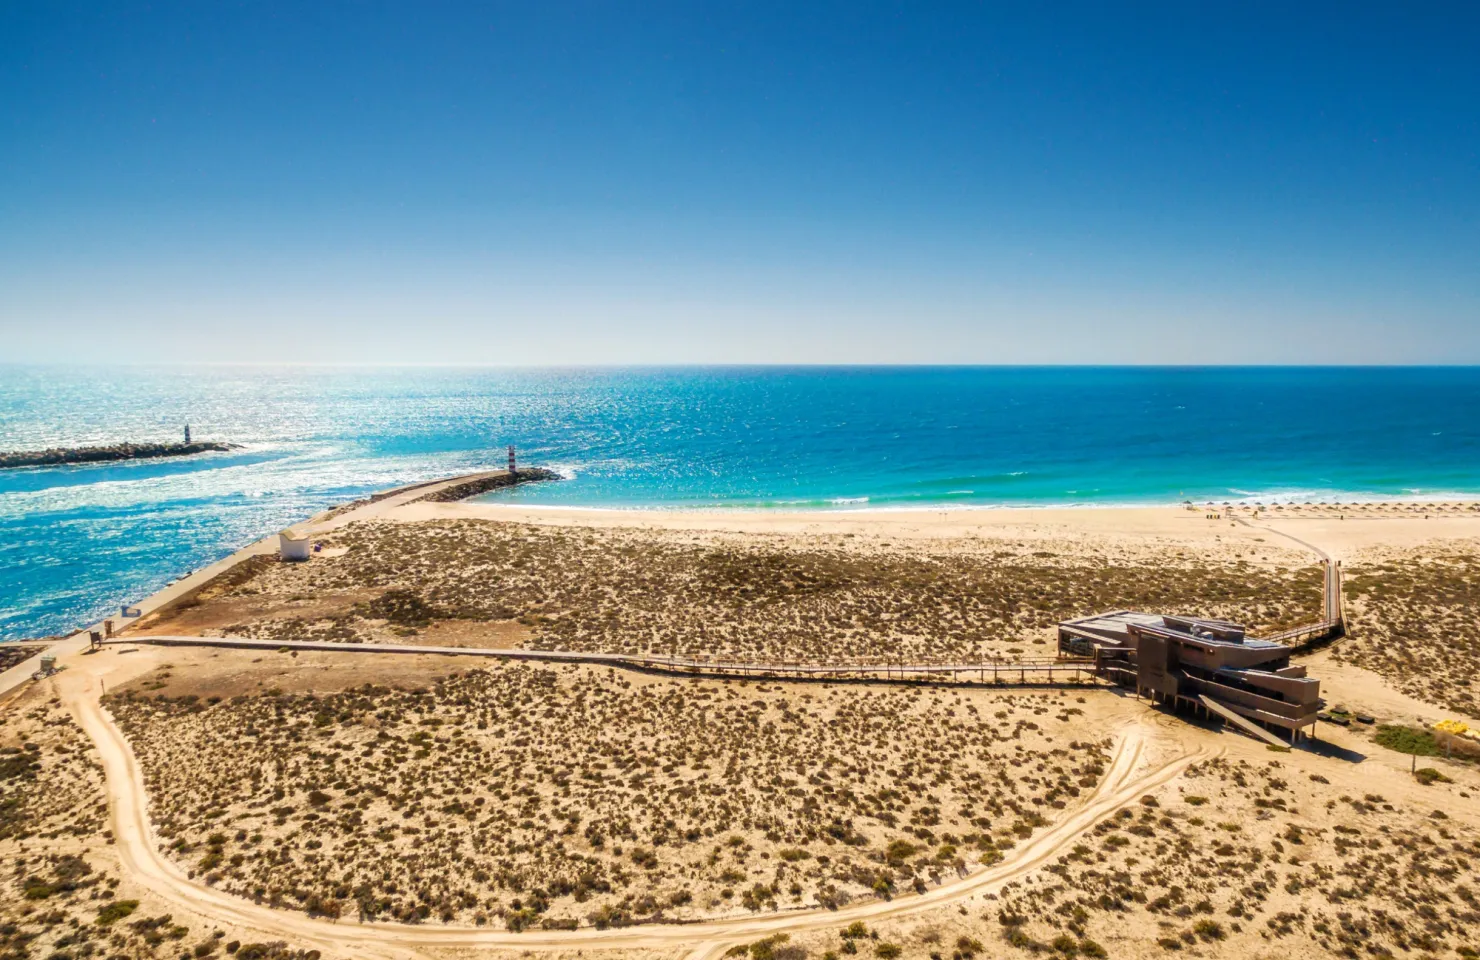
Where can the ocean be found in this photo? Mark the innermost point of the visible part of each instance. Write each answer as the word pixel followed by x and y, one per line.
pixel 77 541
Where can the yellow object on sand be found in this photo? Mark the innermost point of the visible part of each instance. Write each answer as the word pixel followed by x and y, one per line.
pixel 1456 728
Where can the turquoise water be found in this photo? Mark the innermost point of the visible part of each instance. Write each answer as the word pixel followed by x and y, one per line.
pixel 77 541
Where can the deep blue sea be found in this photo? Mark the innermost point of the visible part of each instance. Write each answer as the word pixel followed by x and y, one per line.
pixel 76 541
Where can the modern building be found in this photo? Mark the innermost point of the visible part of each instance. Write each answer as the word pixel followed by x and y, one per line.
pixel 1210 665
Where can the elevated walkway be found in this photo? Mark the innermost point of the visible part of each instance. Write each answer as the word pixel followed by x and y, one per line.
pixel 1033 671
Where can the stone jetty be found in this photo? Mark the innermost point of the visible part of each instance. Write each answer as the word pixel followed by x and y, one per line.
pixel 119 451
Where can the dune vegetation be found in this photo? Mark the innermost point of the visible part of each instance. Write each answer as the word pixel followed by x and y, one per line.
pixel 1411 619
pixel 761 598
pixel 524 795
pixel 63 897
pixel 1236 858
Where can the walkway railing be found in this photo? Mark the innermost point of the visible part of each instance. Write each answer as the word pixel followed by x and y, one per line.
pixel 1298 635
pixel 1313 636
pixel 1333 625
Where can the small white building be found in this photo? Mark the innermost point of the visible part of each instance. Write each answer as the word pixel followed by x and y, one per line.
pixel 293 545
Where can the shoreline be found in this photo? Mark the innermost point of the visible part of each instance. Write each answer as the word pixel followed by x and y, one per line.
pixel 492 509
pixel 853 506
pixel 74 641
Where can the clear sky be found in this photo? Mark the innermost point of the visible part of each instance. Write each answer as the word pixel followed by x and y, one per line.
pixel 703 181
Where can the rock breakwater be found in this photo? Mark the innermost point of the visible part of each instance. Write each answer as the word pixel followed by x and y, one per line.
pixel 462 491
pixel 57 456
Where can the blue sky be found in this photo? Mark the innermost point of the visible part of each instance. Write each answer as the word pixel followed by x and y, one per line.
pixel 747 182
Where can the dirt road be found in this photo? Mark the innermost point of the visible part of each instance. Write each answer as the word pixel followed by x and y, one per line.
pixel 1130 775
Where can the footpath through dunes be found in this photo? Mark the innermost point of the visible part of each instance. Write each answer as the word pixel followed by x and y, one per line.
pixel 1231 855
pixel 1412 613
pixel 1124 781
pixel 1409 588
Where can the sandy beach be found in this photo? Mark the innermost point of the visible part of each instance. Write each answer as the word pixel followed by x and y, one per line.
pixel 1339 531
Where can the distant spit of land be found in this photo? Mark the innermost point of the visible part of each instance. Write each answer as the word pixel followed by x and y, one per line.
pixel 117 451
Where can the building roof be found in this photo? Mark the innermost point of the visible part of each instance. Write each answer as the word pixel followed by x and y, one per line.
pixel 1117 621
pixel 1113 627
pixel 1116 625
pixel 1192 630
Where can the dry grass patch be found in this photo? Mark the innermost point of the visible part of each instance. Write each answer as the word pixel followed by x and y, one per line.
pixel 12 654
pixel 1270 857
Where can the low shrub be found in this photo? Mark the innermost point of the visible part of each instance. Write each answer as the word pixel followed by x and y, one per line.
pixel 1414 740
pixel 116 910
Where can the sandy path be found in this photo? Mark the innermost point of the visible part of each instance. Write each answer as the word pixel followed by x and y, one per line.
pixel 1258 525
pixel 1348 539
pixel 1127 779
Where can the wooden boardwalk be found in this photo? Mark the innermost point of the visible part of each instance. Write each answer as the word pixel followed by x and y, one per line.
pixel 1030 671
pixel 1314 636
pixel 1332 625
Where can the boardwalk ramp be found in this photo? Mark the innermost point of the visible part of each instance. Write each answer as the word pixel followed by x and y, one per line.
pixel 1248 726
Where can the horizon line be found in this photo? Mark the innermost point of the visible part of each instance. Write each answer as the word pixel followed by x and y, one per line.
pixel 702 365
